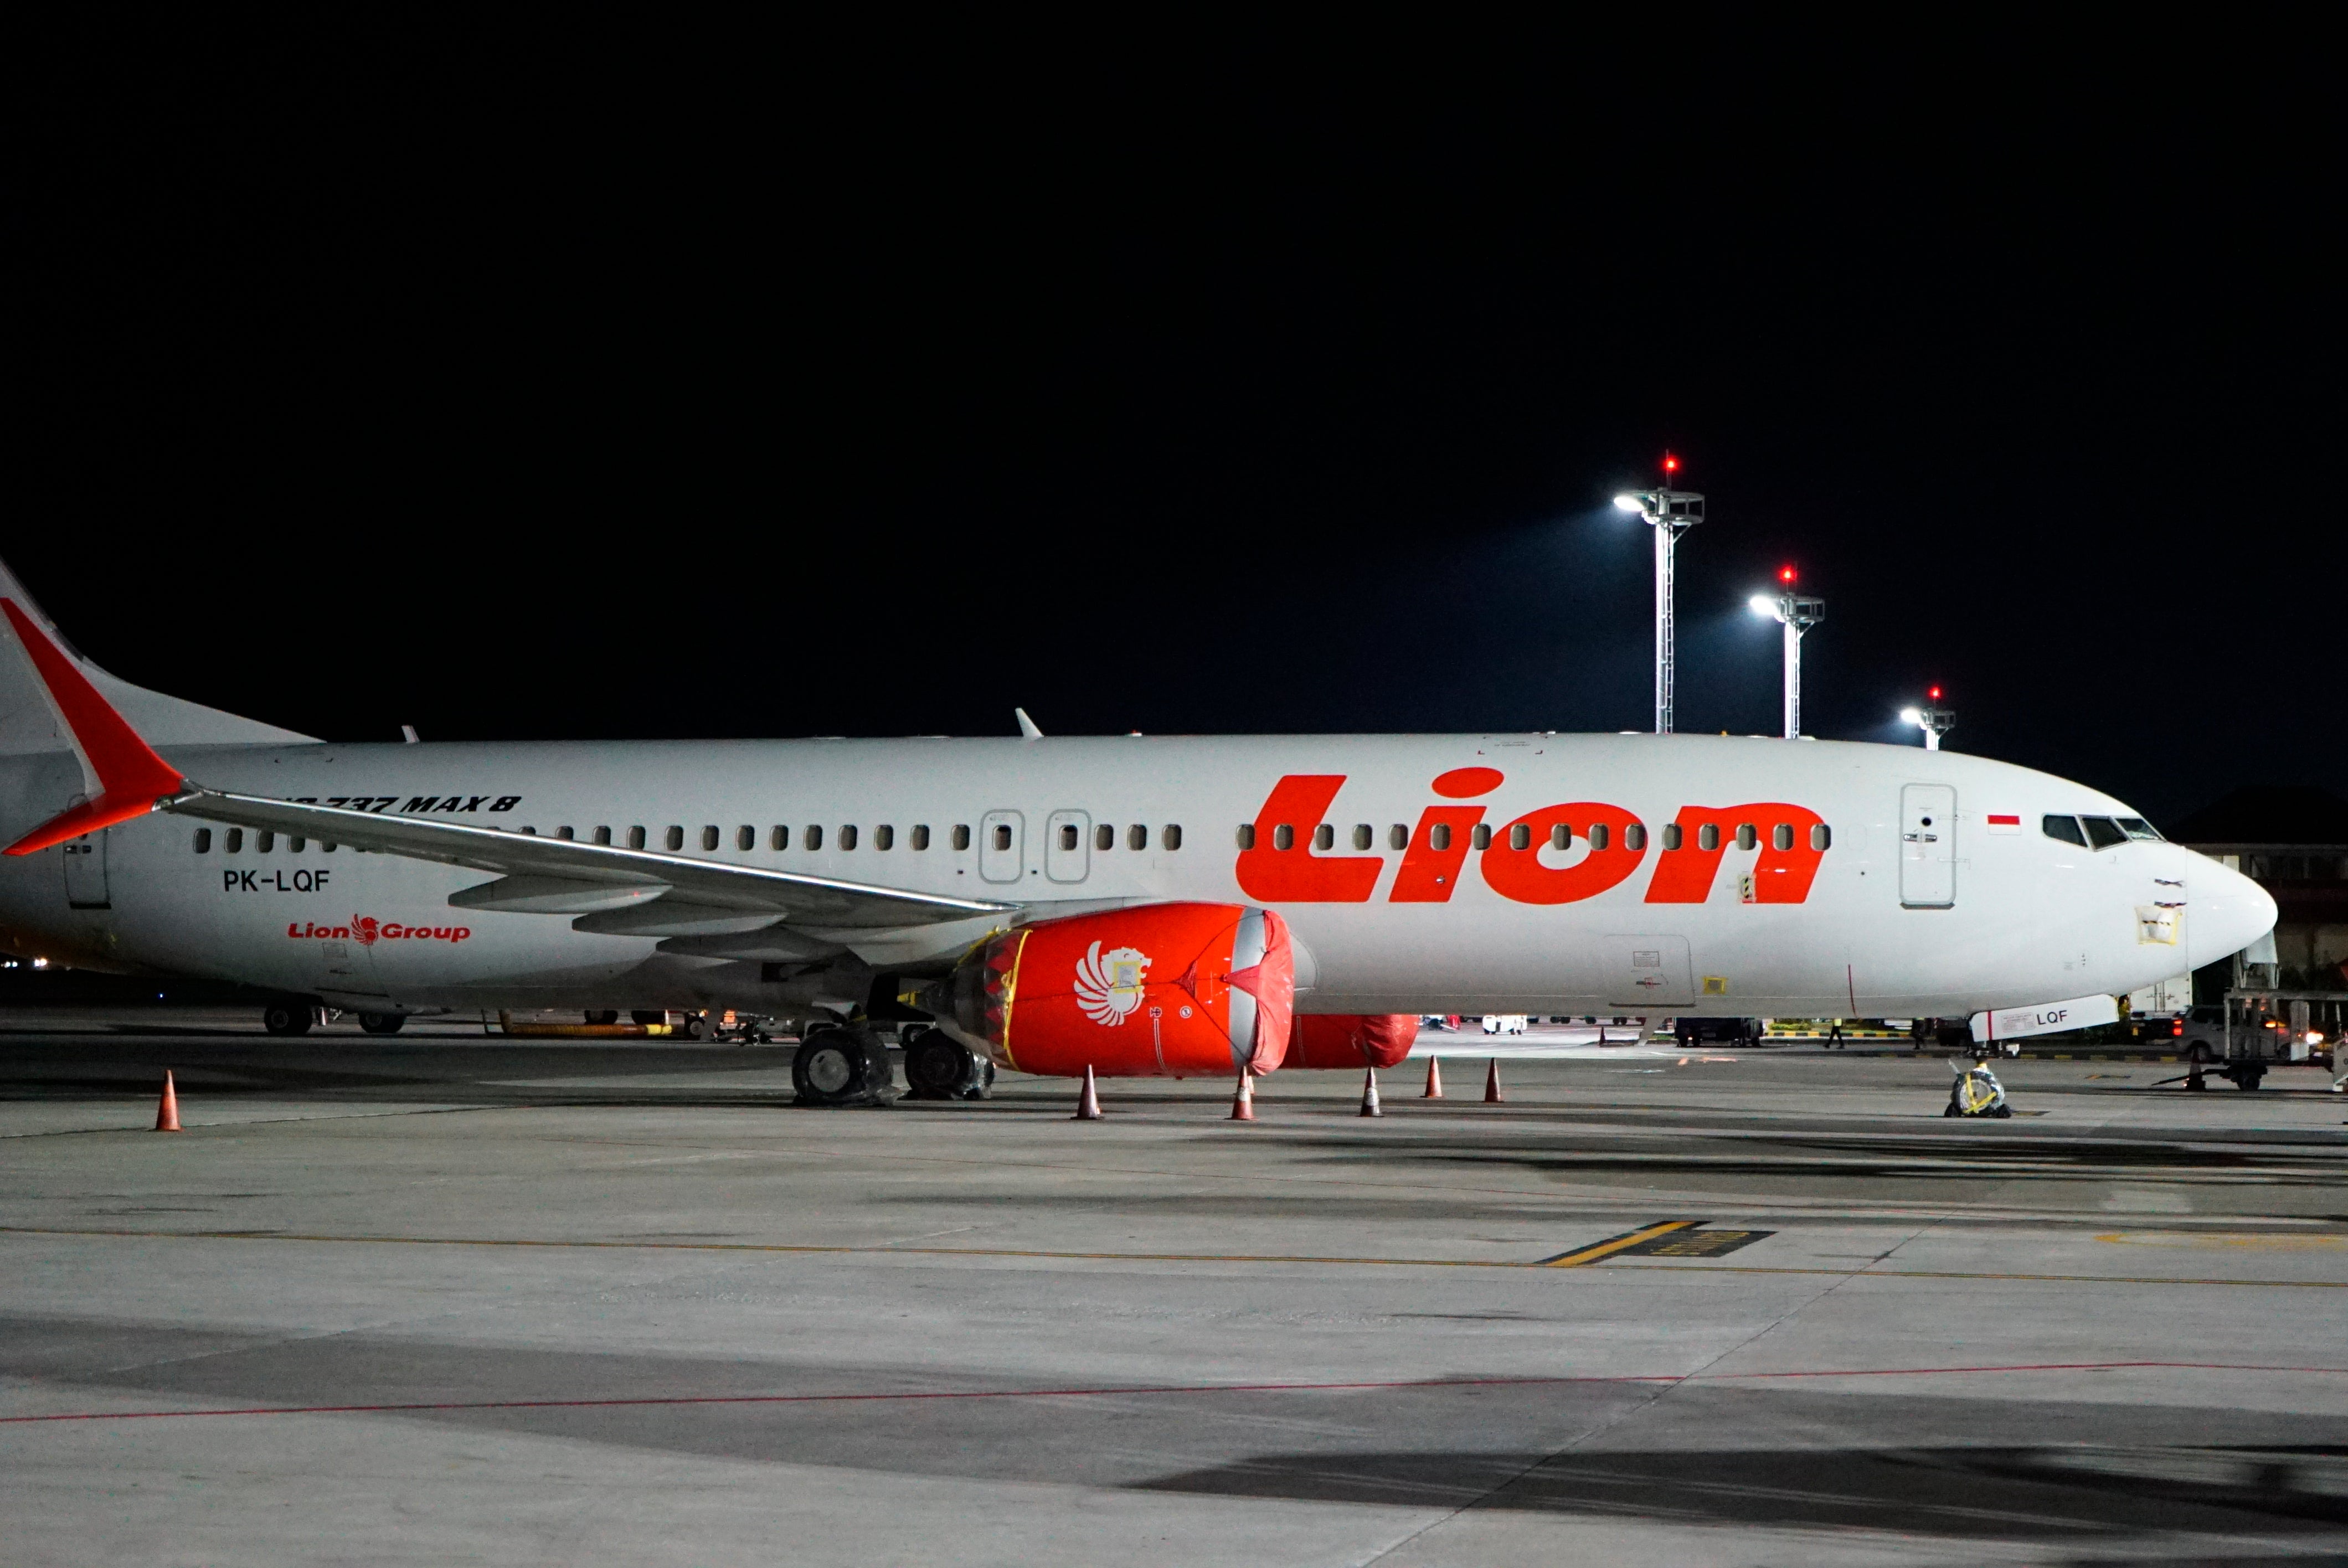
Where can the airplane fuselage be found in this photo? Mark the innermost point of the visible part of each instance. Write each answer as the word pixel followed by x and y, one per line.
pixel 1419 874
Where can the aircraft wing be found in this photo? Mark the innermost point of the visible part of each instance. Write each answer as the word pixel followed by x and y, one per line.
pixel 564 876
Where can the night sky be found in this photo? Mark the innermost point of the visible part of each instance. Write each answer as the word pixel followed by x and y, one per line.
pixel 771 385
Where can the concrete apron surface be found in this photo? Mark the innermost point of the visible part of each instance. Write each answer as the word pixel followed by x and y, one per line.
pixel 438 1298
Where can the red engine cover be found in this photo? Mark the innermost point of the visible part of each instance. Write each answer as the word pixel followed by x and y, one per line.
pixel 1162 990
pixel 1352 1040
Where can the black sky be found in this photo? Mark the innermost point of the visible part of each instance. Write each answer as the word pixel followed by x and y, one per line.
pixel 634 385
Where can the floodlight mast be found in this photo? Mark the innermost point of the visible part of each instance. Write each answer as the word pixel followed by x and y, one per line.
pixel 1796 613
pixel 1935 721
pixel 1670 513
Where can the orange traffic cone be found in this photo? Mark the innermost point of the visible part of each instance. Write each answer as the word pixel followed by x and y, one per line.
pixel 1492 1083
pixel 1434 1079
pixel 1243 1102
pixel 167 1114
pixel 1370 1093
pixel 1089 1102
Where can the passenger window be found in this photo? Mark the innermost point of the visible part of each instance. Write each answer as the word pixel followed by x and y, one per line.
pixel 235 842
pixel 1601 836
pixel 1673 837
pixel 1747 838
pixel 2102 832
pixel 1137 837
pixel 779 840
pixel 1283 837
pixel 847 837
pixel 1068 836
pixel 531 831
pixel 921 835
pixel 1363 837
pixel 1521 837
pixel 1398 836
pixel 1105 836
pixel 1561 835
pixel 709 839
pixel 745 838
pixel 674 839
pixel 1634 837
pixel 603 835
pixel 635 837
pixel 264 841
pixel 564 833
pixel 203 841
pixel 1781 838
pixel 961 836
pixel 2066 828
pixel 884 836
pixel 1707 837
pixel 1247 835
pixel 1480 837
pixel 1439 837
pixel 1821 837
pixel 325 846
pixel 296 845
pixel 1173 835
pixel 1324 837
pixel 1002 837
pixel 812 838
pixel 2136 827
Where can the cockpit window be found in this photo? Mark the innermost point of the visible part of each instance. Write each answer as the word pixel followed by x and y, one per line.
pixel 2066 828
pixel 2103 832
pixel 2136 827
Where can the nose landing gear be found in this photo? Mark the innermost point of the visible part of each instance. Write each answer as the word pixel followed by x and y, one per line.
pixel 1977 1092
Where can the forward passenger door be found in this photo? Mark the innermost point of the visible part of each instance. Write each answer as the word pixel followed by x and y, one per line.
pixel 1927 847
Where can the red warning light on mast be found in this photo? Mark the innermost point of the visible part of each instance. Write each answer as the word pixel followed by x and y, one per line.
pixel 1785 574
pixel 1670 464
pixel 1936 694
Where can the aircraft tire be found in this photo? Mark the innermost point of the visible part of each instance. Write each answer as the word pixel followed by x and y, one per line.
pixel 382 1023
pixel 287 1017
pixel 938 1067
pixel 693 1027
pixel 842 1067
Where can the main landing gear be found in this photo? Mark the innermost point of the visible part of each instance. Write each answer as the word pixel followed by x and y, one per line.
pixel 845 1064
pixel 290 1016
pixel 939 1067
pixel 382 1023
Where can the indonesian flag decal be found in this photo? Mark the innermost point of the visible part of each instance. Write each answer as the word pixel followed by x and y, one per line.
pixel 2005 821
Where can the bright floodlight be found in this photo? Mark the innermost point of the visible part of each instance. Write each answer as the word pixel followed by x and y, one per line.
pixel 1626 503
pixel 1910 716
pixel 1763 605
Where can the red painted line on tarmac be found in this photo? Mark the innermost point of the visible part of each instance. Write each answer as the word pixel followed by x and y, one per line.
pixel 1153 1389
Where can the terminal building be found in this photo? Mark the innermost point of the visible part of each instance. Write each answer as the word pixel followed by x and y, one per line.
pixel 2292 840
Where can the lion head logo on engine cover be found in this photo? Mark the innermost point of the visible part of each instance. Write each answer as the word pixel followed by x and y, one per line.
pixel 1108 985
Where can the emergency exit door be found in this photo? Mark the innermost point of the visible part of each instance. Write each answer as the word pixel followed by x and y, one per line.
pixel 1927 847
pixel 1068 853
pixel 1002 853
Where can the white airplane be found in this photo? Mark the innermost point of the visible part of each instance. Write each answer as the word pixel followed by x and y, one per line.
pixel 1142 906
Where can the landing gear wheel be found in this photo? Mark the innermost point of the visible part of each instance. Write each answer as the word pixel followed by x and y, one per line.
pixel 287 1017
pixel 693 1027
pixel 2250 1078
pixel 938 1067
pixel 382 1023
pixel 839 1067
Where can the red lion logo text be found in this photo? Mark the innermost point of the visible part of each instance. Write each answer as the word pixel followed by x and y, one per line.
pixel 366 931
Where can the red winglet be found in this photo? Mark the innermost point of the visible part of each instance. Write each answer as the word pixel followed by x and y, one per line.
pixel 130 776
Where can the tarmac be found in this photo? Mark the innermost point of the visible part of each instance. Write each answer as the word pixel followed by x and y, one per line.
pixel 457 1299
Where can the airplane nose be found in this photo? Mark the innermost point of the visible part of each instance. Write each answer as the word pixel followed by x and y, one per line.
pixel 2225 913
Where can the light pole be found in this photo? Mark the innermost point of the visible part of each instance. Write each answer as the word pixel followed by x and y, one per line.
pixel 1670 513
pixel 1934 721
pixel 1796 613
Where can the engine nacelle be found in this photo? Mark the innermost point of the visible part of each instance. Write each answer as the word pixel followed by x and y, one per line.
pixel 1352 1040
pixel 1161 990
